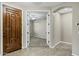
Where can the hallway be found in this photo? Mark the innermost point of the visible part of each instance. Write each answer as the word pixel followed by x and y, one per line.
pixel 61 49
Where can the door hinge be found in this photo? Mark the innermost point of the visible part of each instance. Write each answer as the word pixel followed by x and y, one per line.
pixel 48 15
pixel 27 15
pixel 48 41
pixel 27 41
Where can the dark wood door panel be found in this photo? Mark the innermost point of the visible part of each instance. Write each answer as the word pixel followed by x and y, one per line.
pixel 11 29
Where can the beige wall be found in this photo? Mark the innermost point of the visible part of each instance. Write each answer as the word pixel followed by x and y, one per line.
pixel 57 27
pixel 62 27
pixel 66 27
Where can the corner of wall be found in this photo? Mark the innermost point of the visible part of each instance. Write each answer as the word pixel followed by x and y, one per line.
pixel 74 54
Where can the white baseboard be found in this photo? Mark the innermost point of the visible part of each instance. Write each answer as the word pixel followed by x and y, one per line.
pixel 74 54
pixel 65 42
pixel 55 44
pixel 59 43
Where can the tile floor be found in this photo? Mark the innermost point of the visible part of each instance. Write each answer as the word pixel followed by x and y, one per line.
pixel 38 49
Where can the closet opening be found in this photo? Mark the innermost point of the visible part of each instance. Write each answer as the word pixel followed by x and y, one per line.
pixel 37 29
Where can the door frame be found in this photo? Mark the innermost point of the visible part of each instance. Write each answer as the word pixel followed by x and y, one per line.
pixel 1 30
pixel 47 26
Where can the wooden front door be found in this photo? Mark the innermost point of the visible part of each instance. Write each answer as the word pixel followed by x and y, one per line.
pixel 11 29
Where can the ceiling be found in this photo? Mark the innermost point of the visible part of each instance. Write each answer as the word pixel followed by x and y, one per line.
pixel 35 4
pixel 38 15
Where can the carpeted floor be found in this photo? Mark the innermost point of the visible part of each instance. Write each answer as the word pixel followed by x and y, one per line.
pixel 38 42
pixel 41 49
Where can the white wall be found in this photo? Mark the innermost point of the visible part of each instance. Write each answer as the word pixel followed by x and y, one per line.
pixel 66 26
pixel 57 27
pixel 40 28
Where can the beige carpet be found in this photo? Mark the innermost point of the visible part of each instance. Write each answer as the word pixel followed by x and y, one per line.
pixel 60 50
pixel 39 47
pixel 38 42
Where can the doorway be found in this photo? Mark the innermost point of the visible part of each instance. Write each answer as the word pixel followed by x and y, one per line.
pixel 11 29
pixel 38 29
pixel 63 28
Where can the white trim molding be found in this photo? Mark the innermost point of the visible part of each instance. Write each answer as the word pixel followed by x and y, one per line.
pixel 66 42
pixel 1 30
pixel 59 43
pixel 55 44
pixel 74 54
